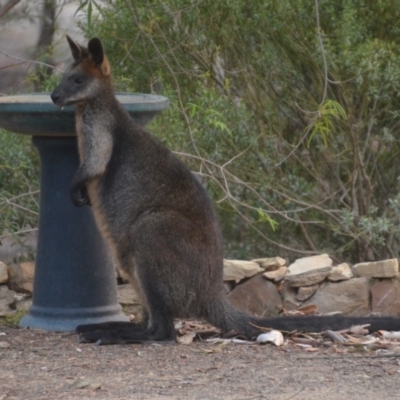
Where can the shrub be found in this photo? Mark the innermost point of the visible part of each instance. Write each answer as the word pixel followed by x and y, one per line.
pixel 289 110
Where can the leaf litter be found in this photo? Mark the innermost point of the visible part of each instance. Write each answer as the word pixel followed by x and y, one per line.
pixel 354 339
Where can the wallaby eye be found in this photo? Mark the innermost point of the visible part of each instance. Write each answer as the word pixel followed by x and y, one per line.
pixel 78 80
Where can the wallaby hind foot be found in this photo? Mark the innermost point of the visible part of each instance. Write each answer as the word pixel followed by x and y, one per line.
pixel 121 333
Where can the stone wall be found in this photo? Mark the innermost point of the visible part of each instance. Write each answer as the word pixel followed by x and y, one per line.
pixel 314 285
pixel 268 286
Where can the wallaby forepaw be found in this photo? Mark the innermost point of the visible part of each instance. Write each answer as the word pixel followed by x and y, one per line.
pixel 79 196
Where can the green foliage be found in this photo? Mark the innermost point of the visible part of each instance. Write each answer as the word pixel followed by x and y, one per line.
pixel 287 117
pixel 324 124
pixel 42 80
pixel 13 319
pixel 19 183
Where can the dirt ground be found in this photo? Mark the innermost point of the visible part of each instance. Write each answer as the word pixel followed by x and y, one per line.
pixel 42 365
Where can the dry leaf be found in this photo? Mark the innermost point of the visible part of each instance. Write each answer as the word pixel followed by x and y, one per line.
pixel 308 310
pixel 81 383
pixel 187 338
pixel 335 337
pixel 305 346
pixel 359 329
pixel 390 335
pixel 217 349
pixel 307 341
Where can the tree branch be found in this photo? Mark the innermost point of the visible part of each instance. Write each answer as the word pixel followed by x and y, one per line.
pixel 8 6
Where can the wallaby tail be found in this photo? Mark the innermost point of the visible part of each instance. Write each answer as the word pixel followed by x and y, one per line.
pixel 226 317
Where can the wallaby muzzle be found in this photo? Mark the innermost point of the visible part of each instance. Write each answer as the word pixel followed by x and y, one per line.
pixel 55 97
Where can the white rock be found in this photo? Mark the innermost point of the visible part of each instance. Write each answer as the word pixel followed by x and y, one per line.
pixel 236 270
pixel 273 336
pixel 340 272
pixel 308 271
pixel 377 269
pixel 270 264
pixel 277 275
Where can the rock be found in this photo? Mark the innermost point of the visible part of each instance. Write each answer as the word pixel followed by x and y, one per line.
pixel 289 294
pixel 122 275
pixel 270 264
pixel 308 271
pixel 228 286
pixel 24 304
pixel 386 297
pixel 377 269
pixel 24 247
pixel 351 297
pixel 257 296
pixel 21 277
pixel 340 272
pixel 273 336
pixel 6 300
pixel 305 292
pixel 3 273
pixel 127 294
pixel 277 275
pixel 236 270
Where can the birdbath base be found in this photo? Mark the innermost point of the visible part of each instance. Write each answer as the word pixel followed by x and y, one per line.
pixel 64 320
pixel 74 280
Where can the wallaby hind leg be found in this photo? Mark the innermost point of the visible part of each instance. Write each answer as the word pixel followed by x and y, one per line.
pixel 118 325
pixel 110 326
pixel 160 329
pixel 157 324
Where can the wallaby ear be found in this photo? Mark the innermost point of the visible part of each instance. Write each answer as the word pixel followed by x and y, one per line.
pixel 96 51
pixel 76 50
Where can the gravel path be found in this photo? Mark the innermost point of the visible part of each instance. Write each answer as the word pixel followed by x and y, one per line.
pixel 41 365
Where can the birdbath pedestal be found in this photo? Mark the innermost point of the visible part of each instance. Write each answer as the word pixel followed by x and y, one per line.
pixel 74 282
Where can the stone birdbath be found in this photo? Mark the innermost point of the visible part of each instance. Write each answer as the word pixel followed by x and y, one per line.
pixel 75 280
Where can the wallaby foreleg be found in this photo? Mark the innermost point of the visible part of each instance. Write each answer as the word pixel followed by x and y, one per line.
pixel 97 142
pixel 78 189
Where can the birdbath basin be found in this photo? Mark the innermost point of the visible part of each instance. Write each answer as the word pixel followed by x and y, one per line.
pixel 74 279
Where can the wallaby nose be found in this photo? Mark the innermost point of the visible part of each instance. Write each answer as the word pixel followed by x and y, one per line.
pixel 55 97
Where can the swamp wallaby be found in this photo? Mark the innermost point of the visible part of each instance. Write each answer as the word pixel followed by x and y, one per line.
pixel 156 217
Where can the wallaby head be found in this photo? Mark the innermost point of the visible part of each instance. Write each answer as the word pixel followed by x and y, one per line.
pixel 86 78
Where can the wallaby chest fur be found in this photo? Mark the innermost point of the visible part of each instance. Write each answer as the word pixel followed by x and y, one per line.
pixel 156 217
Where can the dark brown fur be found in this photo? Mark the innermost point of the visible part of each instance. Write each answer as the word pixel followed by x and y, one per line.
pixel 157 218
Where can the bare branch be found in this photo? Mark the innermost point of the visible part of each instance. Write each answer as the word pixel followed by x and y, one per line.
pixel 31 61
pixel 21 232
pixel 7 7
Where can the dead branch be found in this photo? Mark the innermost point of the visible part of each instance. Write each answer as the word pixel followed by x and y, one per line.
pixel 7 7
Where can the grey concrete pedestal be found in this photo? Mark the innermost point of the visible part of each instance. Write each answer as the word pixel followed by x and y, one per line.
pixel 74 279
